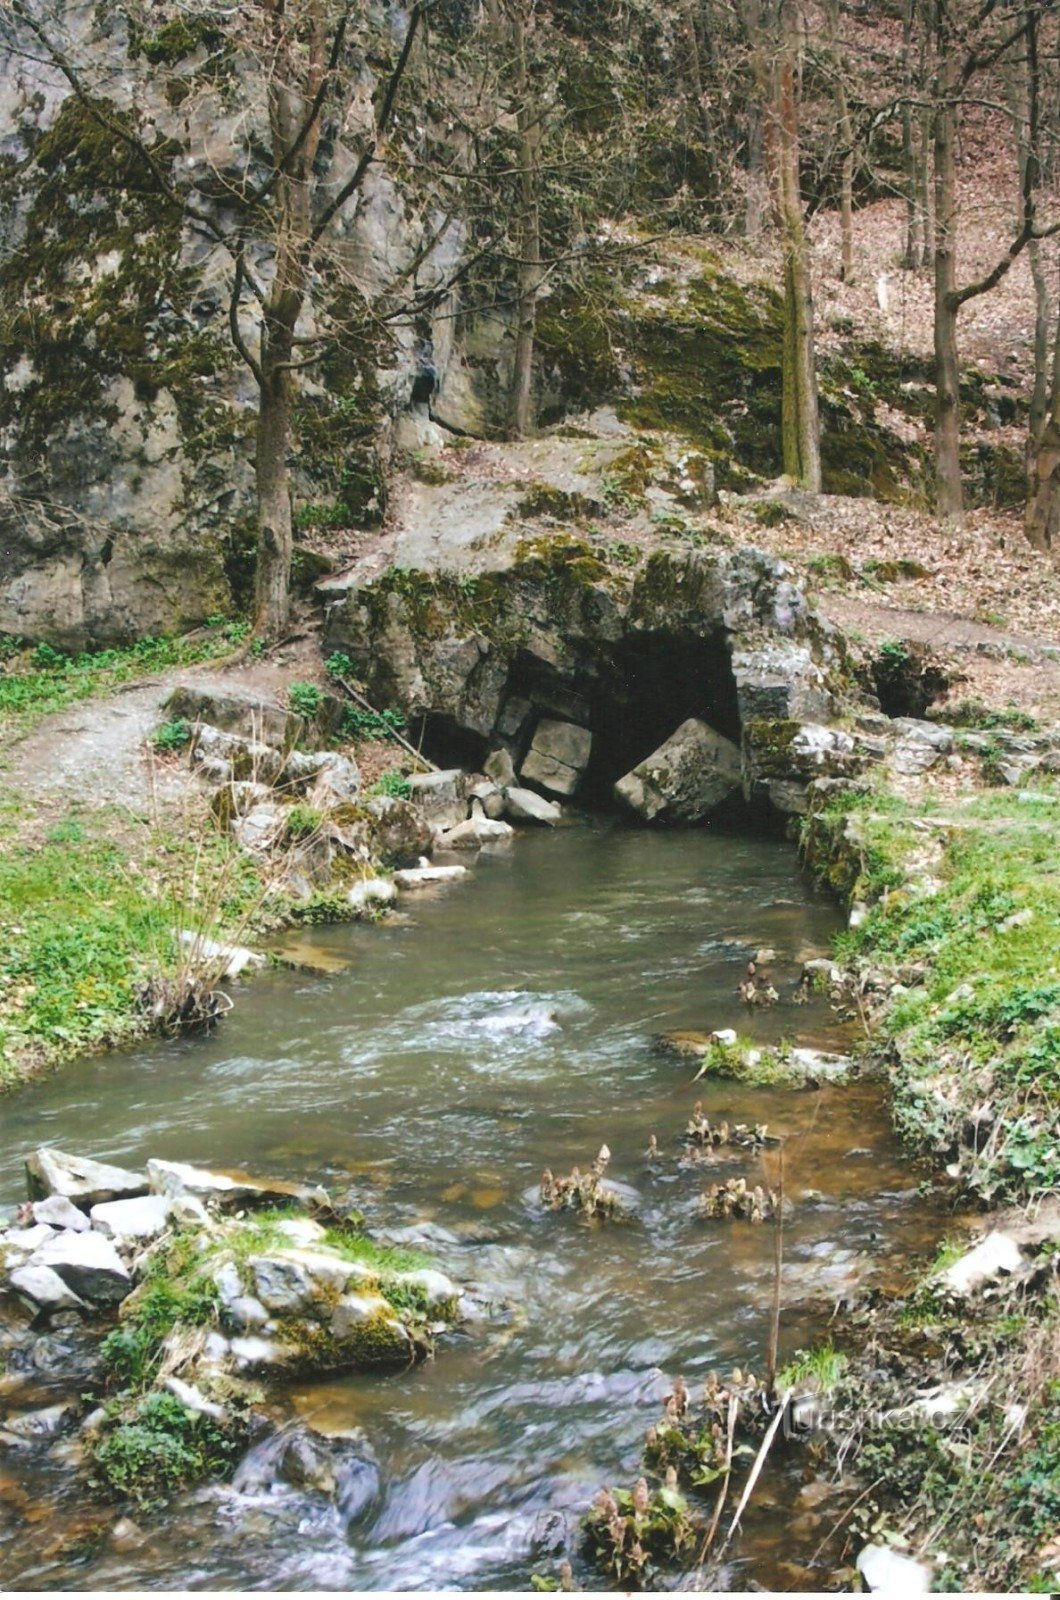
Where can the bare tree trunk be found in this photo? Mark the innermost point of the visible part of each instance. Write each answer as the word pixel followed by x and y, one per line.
pixel 948 495
pixel 925 187
pixel 1042 524
pixel 757 103
pixel 911 256
pixel 800 423
pixel 272 598
pixel 530 269
pixel 283 306
pixel 846 137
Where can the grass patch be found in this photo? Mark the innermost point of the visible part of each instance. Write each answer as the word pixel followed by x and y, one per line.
pixel 966 917
pixel 88 921
pixel 817 1370
pixel 35 683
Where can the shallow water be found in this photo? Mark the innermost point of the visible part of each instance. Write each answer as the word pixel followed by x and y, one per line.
pixel 501 1026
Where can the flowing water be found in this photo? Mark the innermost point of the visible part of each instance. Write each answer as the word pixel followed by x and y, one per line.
pixel 501 1026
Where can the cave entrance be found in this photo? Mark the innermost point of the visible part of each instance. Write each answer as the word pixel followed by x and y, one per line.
pixel 645 689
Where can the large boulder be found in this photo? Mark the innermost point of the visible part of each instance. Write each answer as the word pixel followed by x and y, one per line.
pixel 85 1182
pixel 558 756
pixel 88 1264
pixel 686 778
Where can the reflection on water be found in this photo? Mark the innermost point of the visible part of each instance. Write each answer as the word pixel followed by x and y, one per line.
pixel 502 1027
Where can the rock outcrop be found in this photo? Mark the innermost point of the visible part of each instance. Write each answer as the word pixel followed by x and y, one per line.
pixel 565 670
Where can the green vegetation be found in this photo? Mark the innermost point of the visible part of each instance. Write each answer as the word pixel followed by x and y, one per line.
pixel 631 1532
pixel 975 713
pixel 172 736
pixel 816 1370
pixel 35 683
pixel 303 821
pixel 394 784
pixel 89 923
pixel 971 932
pixel 305 698
pixel 161 1447
pixel 359 724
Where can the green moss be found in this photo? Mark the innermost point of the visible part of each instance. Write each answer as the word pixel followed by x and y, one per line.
pixel 175 40
pixel 557 505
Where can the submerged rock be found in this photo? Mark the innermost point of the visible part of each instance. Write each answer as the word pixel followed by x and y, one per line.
pixel 226 1189
pixel 524 805
pixel 474 833
pixel 423 877
pixel 684 779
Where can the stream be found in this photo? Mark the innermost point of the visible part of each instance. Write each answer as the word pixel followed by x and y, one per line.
pixel 493 1028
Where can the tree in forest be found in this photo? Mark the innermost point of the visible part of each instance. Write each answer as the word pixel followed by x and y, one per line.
pixel 309 137
pixel 965 46
pixel 800 421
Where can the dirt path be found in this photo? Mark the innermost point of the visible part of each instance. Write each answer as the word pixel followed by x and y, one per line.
pixel 93 754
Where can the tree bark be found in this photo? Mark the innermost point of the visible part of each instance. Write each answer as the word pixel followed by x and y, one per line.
pixel 911 256
pixel 800 423
pixel 757 119
pixel 846 137
pixel 272 599
pixel 948 495
pixel 530 269
pixel 297 72
pixel 1042 525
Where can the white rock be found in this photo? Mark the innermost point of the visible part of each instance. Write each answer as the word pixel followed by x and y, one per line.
pixel 186 1211
pixel 88 1264
pixel 993 1255
pixel 421 877
pixel 261 827
pixel 79 1179
pixel 251 1350
pixel 300 1230
pixel 474 832
pixel 726 1036
pixel 293 1281
pixel 438 1289
pixel 523 805
pixel 558 756
pixel 498 766
pixel 45 1288
pixel 28 1239
pixel 193 1398
pixel 372 892
pixel 338 783
pixel 883 1569
pixel 228 960
pixel 143 1218
pixel 59 1212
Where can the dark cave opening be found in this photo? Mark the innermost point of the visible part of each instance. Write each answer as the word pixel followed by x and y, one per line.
pixel 648 687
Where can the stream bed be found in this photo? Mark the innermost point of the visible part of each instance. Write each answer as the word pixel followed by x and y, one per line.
pixel 492 1029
